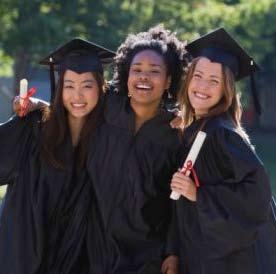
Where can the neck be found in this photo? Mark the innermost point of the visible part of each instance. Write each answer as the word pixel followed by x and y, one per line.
pixel 75 126
pixel 143 113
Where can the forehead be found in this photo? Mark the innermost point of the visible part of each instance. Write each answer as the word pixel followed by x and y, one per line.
pixel 206 66
pixel 149 56
pixel 72 75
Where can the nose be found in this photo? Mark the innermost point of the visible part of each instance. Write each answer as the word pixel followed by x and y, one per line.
pixel 202 85
pixel 77 94
pixel 144 75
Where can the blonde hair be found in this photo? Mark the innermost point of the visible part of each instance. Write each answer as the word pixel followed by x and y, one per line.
pixel 229 103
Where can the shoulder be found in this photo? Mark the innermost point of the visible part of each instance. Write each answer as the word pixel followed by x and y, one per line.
pixel 227 147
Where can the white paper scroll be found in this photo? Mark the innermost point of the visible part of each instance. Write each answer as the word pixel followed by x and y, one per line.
pixel 191 158
pixel 23 90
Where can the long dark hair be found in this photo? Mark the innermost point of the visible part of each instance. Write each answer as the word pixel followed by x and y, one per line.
pixel 55 130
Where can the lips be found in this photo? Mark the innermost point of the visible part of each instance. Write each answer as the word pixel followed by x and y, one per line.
pixel 78 105
pixel 200 95
pixel 143 88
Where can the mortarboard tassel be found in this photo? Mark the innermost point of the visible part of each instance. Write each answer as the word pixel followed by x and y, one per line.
pixel 254 91
pixel 52 79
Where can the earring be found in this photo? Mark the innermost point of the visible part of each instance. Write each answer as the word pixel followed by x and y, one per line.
pixel 169 94
pixel 129 94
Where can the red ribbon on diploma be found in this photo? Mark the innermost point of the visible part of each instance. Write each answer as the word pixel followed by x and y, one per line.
pixel 24 105
pixel 189 166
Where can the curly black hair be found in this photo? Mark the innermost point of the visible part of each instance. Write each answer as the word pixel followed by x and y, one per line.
pixel 162 41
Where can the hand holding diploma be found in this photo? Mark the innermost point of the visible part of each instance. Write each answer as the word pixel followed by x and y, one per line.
pixel 24 98
pixel 181 183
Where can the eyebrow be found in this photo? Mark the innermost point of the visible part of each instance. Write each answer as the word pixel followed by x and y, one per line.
pixel 84 81
pixel 153 65
pixel 88 81
pixel 212 76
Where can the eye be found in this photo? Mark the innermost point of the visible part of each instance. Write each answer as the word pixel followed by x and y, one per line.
pixel 136 70
pixel 214 82
pixel 155 71
pixel 88 86
pixel 67 86
pixel 197 76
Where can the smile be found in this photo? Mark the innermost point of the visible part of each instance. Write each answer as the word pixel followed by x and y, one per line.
pixel 144 86
pixel 78 105
pixel 201 95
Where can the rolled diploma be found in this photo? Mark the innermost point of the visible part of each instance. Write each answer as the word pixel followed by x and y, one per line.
pixel 193 153
pixel 23 90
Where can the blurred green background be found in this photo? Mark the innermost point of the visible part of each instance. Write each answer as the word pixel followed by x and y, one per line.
pixel 31 29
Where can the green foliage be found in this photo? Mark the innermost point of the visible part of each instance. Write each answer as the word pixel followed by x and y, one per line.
pixel 30 29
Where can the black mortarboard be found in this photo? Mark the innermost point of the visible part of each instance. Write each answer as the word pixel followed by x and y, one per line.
pixel 218 46
pixel 78 55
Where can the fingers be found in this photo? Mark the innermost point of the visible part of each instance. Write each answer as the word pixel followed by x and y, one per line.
pixel 180 177
pixel 176 122
pixel 16 105
pixel 184 185
pixel 170 265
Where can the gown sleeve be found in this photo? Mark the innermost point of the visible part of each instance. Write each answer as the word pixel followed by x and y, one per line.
pixel 233 200
pixel 172 241
pixel 14 135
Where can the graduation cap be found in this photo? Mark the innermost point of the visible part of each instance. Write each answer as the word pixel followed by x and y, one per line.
pixel 79 56
pixel 218 46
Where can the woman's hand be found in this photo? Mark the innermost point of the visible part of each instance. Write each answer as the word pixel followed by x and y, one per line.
pixel 170 265
pixel 184 185
pixel 177 122
pixel 31 105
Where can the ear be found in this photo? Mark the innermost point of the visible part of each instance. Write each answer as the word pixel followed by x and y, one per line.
pixel 168 82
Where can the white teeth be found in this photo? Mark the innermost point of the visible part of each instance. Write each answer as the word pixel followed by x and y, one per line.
pixel 201 95
pixel 143 86
pixel 78 105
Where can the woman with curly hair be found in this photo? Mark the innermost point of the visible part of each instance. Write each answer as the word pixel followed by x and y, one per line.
pixel 136 153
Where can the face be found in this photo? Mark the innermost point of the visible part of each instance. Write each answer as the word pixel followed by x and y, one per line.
pixel 147 80
pixel 205 89
pixel 80 94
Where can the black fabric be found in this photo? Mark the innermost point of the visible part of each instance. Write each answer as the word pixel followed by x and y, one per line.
pixel 220 47
pixel 79 56
pixel 265 245
pixel 218 232
pixel 132 175
pixel 48 213
pixel 97 55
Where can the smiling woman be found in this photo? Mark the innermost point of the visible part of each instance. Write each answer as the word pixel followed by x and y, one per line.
pixel 148 79
pixel 205 89
pixel 44 221
pixel 80 96
pixel 219 220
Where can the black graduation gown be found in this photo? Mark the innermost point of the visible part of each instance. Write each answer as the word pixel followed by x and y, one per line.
pixel 44 220
pixel 132 174
pixel 217 233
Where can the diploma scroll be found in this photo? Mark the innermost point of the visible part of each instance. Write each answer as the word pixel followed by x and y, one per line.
pixel 191 158
pixel 23 90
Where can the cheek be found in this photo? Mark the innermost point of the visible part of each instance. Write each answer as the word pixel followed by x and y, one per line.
pixel 65 96
pixel 93 96
pixel 190 90
pixel 219 93
pixel 129 80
